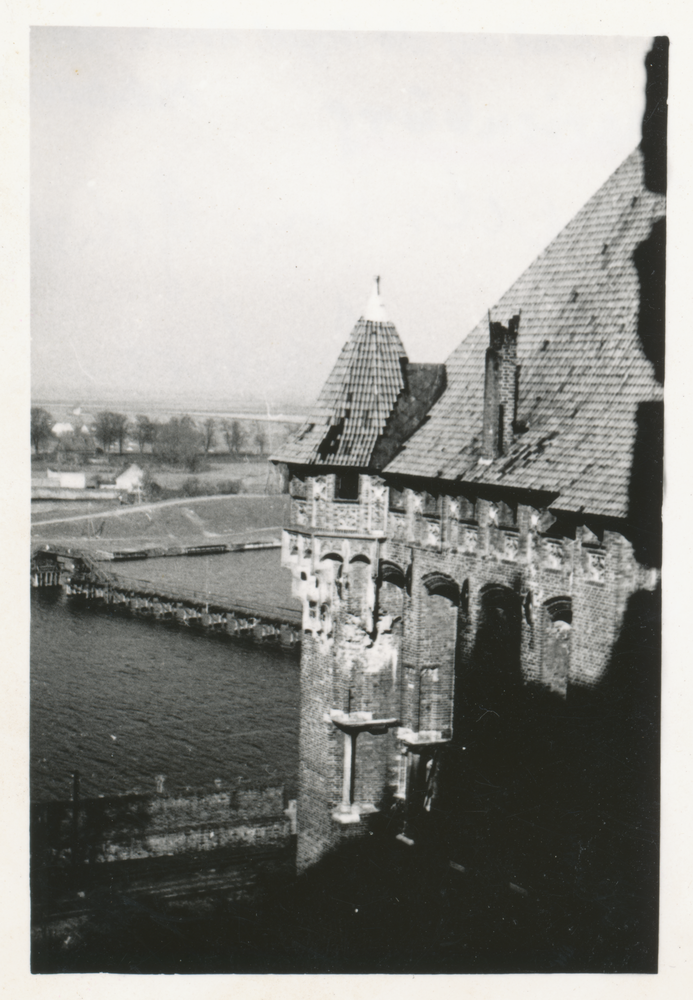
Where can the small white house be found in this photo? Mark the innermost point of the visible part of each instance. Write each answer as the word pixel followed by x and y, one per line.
pixel 131 480
pixel 68 480
pixel 61 429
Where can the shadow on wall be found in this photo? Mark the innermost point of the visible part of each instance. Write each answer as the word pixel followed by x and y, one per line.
pixel 654 123
pixel 561 796
pixel 494 675
pixel 649 258
pixel 645 489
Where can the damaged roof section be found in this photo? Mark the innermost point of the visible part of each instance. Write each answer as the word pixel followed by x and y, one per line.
pixel 583 373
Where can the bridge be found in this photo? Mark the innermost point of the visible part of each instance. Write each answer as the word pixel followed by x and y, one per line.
pixel 80 574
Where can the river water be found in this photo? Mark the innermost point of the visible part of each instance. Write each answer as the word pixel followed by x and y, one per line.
pixel 125 699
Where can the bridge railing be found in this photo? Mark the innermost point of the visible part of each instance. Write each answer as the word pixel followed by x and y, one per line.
pixel 276 612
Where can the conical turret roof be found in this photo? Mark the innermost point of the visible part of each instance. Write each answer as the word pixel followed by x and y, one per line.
pixel 358 396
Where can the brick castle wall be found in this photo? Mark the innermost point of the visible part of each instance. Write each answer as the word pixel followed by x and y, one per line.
pixel 446 570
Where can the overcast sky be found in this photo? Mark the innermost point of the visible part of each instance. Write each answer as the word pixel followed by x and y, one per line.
pixel 209 207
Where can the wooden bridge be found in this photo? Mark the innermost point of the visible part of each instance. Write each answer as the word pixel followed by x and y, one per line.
pixel 81 575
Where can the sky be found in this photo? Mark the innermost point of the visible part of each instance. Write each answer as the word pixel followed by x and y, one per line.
pixel 209 208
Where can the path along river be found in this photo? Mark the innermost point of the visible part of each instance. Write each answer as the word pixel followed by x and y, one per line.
pixel 124 700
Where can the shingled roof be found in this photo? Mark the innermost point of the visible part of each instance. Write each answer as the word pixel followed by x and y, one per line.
pixel 583 369
pixel 357 398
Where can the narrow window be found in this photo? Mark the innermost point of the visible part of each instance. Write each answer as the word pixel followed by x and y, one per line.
pixel 431 505
pixel 396 499
pixel 347 486
pixel 297 487
pixel 467 509
pixel 558 619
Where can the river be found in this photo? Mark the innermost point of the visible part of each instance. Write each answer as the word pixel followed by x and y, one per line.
pixel 125 699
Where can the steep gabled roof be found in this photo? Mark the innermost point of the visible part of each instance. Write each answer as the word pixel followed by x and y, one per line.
pixel 357 398
pixel 583 369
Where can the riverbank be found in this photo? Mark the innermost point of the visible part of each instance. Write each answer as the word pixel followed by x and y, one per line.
pixel 117 828
pixel 180 518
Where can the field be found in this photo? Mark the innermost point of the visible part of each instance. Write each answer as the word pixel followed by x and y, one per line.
pixel 251 473
pixel 232 518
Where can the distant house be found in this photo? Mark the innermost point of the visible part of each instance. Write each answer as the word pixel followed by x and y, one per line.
pixel 130 480
pixel 63 429
pixel 67 480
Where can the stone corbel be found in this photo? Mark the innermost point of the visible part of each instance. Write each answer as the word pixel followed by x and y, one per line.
pixel 351 724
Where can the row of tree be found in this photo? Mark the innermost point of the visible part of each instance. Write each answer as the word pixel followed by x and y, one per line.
pixel 178 441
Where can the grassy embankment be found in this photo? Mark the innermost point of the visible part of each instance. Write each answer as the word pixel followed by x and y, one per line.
pixel 187 522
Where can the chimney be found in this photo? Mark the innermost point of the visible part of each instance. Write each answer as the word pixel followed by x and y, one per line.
pixel 500 388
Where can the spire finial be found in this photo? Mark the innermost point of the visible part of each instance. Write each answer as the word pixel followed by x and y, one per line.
pixel 375 310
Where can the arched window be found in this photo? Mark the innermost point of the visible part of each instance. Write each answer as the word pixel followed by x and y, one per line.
pixel 506 515
pixel 442 585
pixel 390 572
pixel 555 647
pixel 466 509
pixel 391 593
pixel 496 654
pixel 431 504
pixel 331 574
pixel 359 584
pixel 439 609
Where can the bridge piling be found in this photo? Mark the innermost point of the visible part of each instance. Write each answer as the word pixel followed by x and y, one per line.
pixel 83 577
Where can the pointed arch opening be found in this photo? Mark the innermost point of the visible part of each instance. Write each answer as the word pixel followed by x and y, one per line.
pixel 391 594
pixel 442 585
pixel 557 621
pixel 360 585
pixel 438 606
pixel 496 673
pixel 392 573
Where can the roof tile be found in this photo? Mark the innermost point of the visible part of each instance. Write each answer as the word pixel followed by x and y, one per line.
pixel 583 370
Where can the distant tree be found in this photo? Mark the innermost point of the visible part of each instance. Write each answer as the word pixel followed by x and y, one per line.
pixel 111 428
pixel 145 431
pixel 78 443
pixel 41 427
pixel 122 429
pixel 261 439
pixel 233 433
pixel 104 432
pixel 228 486
pixel 208 429
pixel 179 442
pixel 151 490
pixel 192 487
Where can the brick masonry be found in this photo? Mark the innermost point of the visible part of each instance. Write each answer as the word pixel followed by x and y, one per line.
pixel 400 618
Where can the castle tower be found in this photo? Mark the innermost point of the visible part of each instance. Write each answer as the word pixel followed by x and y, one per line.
pixel 351 584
